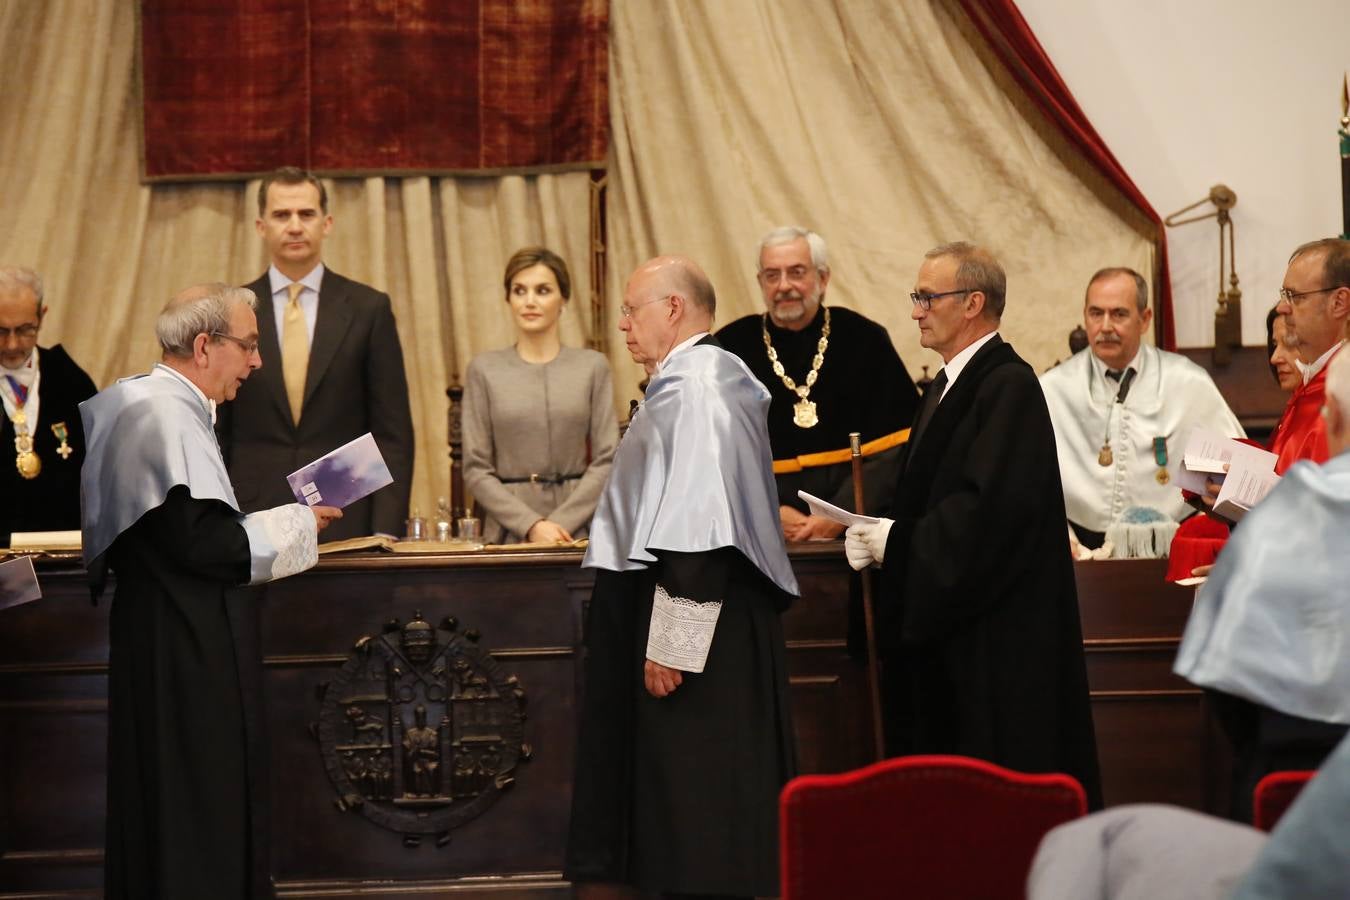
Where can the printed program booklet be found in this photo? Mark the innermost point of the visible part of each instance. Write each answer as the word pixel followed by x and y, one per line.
pixel 1247 472
pixel 342 476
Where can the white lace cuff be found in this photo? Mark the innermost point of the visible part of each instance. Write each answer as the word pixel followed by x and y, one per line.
pixel 681 631
pixel 282 541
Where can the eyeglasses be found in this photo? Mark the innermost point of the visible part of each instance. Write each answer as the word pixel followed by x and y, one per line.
pixel 23 332
pixel 249 347
pixel 926 300
pixel 628 311
pixel 773 277
pixel 1289 296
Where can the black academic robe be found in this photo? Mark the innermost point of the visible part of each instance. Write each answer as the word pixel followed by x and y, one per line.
pixel 185 776
pixel 50 502
pixel 680 794
pixel 862 386
pixel 977 607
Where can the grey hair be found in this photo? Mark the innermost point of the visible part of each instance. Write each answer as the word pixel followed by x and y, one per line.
pixel 820 257
pixel 203 309
pixel 1140 285
pixel 15 278
pixel 977 270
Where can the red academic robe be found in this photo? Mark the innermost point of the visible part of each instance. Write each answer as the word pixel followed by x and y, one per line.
pixel 1302 432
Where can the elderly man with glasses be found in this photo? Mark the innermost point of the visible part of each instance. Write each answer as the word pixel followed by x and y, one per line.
pixel 41 389
pixel 977 611
pixel 830 372
pixel 686 727
pixel 185 777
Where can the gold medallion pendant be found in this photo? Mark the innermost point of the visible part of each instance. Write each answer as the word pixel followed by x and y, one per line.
pixel 28 464
pixel 804 410
pixel 1162 477
pixel 26 461
pixel 1105 458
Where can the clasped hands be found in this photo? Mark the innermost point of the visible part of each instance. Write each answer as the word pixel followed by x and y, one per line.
pixel 865 545
pixel 798 526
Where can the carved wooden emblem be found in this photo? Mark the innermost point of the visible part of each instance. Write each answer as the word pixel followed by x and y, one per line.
pixel 421 729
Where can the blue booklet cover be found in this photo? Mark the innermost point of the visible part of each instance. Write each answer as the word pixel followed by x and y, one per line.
pixel 342 476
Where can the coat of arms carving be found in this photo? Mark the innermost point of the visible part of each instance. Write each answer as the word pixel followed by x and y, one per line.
pixel 421 729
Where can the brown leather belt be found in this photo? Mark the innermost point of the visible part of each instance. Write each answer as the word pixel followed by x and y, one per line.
pixel 536 478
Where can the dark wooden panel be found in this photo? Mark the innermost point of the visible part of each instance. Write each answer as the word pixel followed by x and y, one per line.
pixel 1152 749
pixel 1127 599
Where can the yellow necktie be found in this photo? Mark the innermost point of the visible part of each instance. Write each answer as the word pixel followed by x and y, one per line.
pixel 294 350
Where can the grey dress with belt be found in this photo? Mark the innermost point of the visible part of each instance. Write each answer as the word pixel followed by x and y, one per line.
pixel 552 420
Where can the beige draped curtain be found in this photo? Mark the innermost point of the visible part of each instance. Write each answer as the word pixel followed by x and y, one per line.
pixel 872 122
pixel 869 120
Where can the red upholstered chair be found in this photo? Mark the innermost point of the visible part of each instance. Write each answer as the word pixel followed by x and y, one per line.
pixel 1274 794
pixel 919 826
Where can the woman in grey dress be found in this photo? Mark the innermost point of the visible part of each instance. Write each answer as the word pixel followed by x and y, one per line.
pixel 539 427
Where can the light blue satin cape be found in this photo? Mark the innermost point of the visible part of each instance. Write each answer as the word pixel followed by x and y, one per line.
pixel 694 472
pixel 145 435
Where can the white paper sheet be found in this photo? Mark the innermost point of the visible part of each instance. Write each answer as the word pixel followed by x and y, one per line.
pixel 1210 451
pixel 820 507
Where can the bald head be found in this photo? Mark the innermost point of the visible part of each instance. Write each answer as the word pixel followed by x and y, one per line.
pixel 667 300
pixel 683 277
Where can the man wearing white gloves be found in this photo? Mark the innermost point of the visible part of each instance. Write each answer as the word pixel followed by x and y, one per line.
pixel 977 612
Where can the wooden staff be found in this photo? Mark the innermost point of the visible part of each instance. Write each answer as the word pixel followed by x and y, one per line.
pixel 869 616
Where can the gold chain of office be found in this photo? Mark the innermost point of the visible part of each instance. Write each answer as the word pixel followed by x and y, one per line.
pixel 804 410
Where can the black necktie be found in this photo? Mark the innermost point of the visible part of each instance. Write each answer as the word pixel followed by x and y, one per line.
pixel 930 404
pixel 1115 375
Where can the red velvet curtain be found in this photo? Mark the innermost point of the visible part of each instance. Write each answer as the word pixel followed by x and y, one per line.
pixel 351 86
pixel 1002 25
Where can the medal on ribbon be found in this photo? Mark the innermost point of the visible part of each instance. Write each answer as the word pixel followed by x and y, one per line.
pixel 62 435
pixel 1160 457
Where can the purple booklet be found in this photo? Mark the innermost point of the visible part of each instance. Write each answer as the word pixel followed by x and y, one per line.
pixel 342 476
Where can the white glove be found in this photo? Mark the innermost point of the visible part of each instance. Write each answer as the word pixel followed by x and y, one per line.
pixel 866 544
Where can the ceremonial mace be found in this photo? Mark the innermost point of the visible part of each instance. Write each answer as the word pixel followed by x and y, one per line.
pixel 869 616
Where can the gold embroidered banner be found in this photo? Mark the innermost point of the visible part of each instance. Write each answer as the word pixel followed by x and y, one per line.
pixel 372 86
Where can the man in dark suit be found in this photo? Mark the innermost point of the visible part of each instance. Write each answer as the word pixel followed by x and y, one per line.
pixel 981 645
pixel 41 389
pixel 333 368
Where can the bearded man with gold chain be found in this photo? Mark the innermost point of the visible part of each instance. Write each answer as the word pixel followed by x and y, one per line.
pixel 41 389
pixel 812 358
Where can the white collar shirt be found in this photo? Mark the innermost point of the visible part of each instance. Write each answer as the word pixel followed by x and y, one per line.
pixel 961 360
